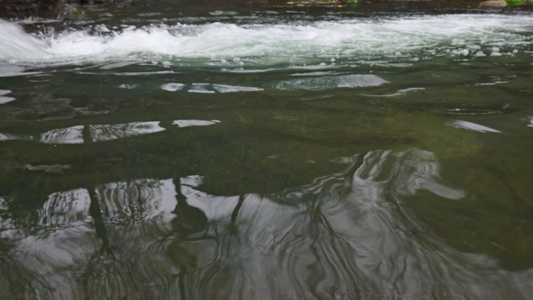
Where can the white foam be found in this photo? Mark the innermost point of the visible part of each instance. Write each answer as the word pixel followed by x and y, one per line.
pixel 172 87
pixel 325 73
pixel 331 82
pixel 223 88
pixel 190 123
pixel 201 88
pixel 128 86
pixel 398 93
pixel 15 44
pixel 289 44
pixel 223 13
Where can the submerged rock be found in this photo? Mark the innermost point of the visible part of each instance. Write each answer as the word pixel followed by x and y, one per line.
pixel 40 107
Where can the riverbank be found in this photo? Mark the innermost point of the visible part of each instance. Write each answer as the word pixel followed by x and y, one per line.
pixel 52 10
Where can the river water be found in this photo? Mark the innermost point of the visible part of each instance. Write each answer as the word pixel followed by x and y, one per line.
pixel 157 152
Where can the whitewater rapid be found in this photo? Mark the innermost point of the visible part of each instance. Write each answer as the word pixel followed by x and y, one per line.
pixel 317 43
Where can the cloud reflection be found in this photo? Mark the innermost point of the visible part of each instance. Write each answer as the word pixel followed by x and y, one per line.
pixel 104 132
pixel 107 132
pixel 64 208
pixel 5 99
pixel 9 136
pixel 70 135
pixel 84 243
pixel 330 82
pixel 471 126
pixel 343 236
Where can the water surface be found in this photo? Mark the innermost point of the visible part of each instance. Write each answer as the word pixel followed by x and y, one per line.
pixel 154 153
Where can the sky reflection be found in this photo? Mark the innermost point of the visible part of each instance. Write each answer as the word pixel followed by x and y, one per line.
pixel 104 132
pixel 109 132
pixel 343 236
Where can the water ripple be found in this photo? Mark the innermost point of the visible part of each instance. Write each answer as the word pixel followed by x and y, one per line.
pixel 344 236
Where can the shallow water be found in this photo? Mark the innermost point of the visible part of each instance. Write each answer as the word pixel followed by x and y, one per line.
pixel 153 153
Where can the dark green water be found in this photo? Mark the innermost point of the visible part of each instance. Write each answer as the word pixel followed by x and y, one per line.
pixel 156 153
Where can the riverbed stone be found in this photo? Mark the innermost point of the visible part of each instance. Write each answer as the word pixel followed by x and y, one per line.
pixel 494 3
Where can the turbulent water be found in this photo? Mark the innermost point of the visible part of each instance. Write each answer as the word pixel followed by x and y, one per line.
pixel 267 154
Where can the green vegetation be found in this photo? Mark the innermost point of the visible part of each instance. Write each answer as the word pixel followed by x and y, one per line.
pixel 515 2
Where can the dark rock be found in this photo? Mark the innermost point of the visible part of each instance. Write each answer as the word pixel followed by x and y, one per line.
pixel 24 9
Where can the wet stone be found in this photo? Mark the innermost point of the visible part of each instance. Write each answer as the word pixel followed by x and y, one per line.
pixel 494 3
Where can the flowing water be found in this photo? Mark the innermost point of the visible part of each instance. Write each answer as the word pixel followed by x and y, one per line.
pixel 152 152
